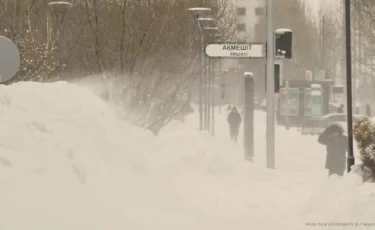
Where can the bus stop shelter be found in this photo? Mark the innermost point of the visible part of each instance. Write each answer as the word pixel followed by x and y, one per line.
pixel 296 101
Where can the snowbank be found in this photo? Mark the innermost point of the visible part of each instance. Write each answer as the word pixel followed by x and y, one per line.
pixel 68 162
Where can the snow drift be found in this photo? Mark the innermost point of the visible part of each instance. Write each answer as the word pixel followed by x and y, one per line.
pixel 68 162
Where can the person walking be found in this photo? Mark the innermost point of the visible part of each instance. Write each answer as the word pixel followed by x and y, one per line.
pixel 234 120
pixel 336 144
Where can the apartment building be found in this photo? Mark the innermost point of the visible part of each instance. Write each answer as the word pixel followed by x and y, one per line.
pixel 248 12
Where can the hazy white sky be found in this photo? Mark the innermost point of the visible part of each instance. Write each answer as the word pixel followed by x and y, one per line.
pixel 316 5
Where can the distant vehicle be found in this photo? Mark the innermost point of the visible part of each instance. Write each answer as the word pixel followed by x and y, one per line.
pixel 315 126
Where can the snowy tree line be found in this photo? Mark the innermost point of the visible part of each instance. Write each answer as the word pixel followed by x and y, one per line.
pixel 149 49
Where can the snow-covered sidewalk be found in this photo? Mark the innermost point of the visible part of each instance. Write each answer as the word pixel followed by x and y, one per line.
pixel 68 162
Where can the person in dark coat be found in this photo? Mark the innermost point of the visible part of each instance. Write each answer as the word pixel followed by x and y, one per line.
pixel 336 143
pixel 234 121
pixel 341 109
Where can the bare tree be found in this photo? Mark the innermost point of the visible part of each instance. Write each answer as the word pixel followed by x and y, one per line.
pixel 363 15
pixel 148 49
pixel 19 24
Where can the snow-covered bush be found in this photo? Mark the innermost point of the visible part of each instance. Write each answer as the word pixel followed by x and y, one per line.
pixel 364 134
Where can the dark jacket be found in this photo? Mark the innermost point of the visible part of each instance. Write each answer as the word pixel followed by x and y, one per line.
pixel 234 119
pixel 336 147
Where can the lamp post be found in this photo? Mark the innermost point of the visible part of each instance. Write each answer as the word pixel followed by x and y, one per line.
pixel 206 23
pixel 350 158
pixel 199 12
pixel 60 9
pixel 210 31
pixel 214 84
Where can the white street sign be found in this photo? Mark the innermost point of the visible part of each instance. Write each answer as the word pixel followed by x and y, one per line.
pixel 235 50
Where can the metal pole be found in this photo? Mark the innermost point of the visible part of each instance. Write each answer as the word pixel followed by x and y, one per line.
pixel 213 95
pixel 201 77
pixel 219 88
pixel 350 159
pixel 362 72
pixel 205 94
pixel 321 35
pixel 249 117
pixel 270 86
pixel 355 70
pixel 60 20
pixel 208 93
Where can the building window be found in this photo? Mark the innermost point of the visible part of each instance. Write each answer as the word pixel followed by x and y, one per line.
pixel 241 11
pixel 259 11
pixel 241 27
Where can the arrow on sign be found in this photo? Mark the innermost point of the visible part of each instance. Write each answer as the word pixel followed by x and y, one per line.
pixel 235 50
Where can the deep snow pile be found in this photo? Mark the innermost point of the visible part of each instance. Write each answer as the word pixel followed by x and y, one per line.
pixel 68 162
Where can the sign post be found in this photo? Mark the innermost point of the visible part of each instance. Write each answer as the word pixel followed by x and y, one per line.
pixel 270 86
pixel 235 50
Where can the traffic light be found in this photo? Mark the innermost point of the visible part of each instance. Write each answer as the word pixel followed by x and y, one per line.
pixel 283 40
pixel 277 78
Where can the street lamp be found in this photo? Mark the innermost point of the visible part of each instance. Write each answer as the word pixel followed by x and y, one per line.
pixel 206 21
pixel 209 97
pixel 214 84
pixel 208 28
pixel 60 9
pixel 199 12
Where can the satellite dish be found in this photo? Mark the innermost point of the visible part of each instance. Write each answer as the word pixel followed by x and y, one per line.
pixel 9 59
